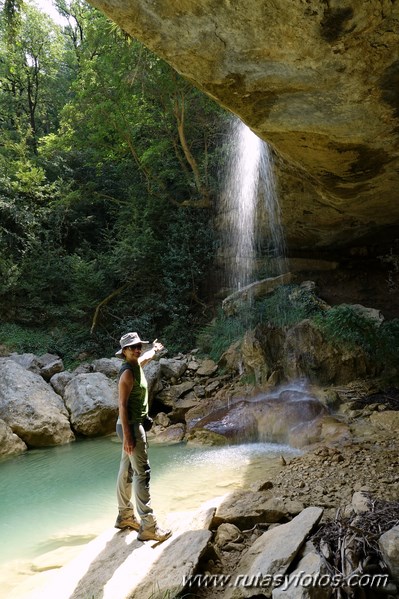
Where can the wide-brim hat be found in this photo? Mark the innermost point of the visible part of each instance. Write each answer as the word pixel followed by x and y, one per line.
pixel 128 339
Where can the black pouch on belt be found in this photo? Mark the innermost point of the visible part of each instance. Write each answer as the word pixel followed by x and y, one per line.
pixel 147 423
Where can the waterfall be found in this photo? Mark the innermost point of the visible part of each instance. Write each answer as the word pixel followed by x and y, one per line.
pixel 277 264
pixel 248 201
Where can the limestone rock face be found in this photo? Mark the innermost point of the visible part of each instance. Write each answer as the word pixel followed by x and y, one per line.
pixel 31 408
pixel 92 400
pixel 172 368
pixel 317 80
pixel 307 354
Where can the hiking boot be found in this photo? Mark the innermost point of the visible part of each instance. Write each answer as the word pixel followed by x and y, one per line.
pixel 154 533
pixel 123 522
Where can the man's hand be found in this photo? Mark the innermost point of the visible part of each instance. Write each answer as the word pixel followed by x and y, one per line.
pixel 128 445
pixel 156 345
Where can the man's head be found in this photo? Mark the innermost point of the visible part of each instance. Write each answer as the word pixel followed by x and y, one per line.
pixel 130 342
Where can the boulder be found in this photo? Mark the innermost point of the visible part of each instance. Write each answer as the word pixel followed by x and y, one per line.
pixel 169 397
pixel 322 429
pixel 169 436
pixel 92 400
pixel 212 387
pixel 10 443
pixel 207 368
pixel 162 419
pixel 47 365
pixel 282 416
pixel 300 584
pixel 246 508
pixel 31 408
pixel 108 366
pixel 204 437
pixel 60 380
pixel 172 368
pixel 83 368
pixel 370 313
pixel 182 406
pixel 273 552
pixel 193 365
pixel 306 354
pixel 389 546
pixel 199 390
pixel 152 371
pixel 24 360
pixel 387 420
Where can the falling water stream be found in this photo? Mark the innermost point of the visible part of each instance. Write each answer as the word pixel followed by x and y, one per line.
pixel 249 197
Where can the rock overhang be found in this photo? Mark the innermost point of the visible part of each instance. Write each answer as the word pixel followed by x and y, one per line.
pixel 318 81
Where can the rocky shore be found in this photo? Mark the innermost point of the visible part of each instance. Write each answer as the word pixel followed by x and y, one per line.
pixel 329 515
pixel 332 511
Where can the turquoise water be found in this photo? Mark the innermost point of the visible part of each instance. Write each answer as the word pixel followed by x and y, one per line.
pixel 66 495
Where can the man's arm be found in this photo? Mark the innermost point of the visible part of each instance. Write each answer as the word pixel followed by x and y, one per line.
pixel 124 388
pixel 148 355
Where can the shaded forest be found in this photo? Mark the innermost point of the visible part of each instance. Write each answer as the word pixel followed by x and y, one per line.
pixel 109 171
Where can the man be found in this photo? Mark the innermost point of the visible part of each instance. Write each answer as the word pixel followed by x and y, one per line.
pixel 134 467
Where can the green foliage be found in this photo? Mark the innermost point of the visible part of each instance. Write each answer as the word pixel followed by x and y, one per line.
pixel 343 325
pixel 286 306
pixel 346 325
pixel 21 340
pixel 67 341
pixel 93 169
pixel 387 343
pixel 217 336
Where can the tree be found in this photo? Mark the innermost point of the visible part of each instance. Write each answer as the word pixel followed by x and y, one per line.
pixel 30 77
pixel 114 160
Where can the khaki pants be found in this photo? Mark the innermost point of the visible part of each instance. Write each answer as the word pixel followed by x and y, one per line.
pixel 134 474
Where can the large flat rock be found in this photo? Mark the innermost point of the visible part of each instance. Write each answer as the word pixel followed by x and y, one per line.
pixel 272 553
pixel 116 565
